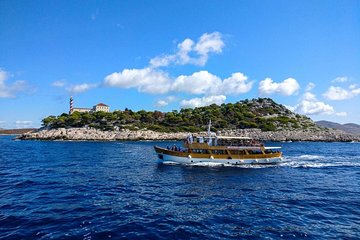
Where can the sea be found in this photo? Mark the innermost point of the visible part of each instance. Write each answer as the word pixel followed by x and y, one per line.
pixel 119 190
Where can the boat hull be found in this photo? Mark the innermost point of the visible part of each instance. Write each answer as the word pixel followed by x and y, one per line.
pixel 165 155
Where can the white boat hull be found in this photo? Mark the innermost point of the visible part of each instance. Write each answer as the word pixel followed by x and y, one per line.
pixel 189 160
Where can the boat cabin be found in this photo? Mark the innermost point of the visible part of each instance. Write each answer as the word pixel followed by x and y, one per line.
pixel 224 141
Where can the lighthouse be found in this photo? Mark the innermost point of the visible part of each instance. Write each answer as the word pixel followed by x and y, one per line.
pixel 71 105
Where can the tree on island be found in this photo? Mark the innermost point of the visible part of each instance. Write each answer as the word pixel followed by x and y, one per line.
pixel 262 113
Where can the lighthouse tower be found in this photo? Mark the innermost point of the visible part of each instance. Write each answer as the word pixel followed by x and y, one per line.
pixel 71 105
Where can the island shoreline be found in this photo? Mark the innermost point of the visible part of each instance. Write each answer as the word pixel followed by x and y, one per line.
pixel 91 134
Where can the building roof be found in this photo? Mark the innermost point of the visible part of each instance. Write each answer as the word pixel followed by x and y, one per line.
pixel 101 104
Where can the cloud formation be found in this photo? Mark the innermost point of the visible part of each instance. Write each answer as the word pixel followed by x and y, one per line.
pixel 59 83
pixel 23 124
pixel 154 81
pixel 236 84
pixel 310 87
pixel 338 93
pixel 204 101
pixel 189 52
pixel 310 105
pixel 165 102
pixel 10 90
pixel 340 79
pixel 287 88
pixel 201 82
pixel 79 88
pixel 147 80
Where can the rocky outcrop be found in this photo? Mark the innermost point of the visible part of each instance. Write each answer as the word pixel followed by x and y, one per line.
pixel 326 135
pixel 125 134
pixel 95 134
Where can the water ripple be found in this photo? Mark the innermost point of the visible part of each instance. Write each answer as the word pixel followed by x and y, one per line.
pixel 112 190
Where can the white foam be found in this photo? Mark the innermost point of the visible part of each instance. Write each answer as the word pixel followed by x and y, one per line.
pixel 310 157
pixel 170 163
pixel 303 164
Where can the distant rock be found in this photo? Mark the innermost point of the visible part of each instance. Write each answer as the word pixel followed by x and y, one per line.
pixel 348 127
pixel 16 131
pixel 125 134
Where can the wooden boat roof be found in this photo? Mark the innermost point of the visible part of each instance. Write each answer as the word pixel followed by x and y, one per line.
pixel 226 137
pixel 272 147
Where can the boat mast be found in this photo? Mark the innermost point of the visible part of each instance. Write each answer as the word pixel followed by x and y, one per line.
pixel 209 126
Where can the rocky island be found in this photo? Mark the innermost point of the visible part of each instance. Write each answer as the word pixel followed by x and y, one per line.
pixel 261 119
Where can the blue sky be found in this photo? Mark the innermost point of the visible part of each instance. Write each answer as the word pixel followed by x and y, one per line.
pixel 165 55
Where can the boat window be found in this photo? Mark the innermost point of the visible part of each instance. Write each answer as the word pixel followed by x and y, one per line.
pixel 202 151
pixel 255 152
pixel 218 152
pixel 237 152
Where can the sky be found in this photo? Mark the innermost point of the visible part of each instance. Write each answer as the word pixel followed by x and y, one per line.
pixel 168 55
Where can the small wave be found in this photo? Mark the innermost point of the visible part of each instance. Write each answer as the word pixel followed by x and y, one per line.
pixel 207 164
pixel 311 157
pixel 299 164
pixel 126 151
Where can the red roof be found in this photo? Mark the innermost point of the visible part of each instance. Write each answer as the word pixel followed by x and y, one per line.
pixel 101 104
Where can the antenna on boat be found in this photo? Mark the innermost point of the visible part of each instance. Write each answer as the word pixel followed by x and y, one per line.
pixel 209 126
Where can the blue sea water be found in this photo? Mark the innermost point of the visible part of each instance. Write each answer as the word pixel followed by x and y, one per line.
pixel 118 190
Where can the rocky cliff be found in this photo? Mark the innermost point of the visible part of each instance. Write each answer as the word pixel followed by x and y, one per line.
pixel 124 134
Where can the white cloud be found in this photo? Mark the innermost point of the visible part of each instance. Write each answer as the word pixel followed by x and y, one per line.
pixel 204 101
pixel 208 43
pixel 165 102
pixel 308 96
pixel 59 83
pixel 314 107
pixel 201 82
pixel 184 49
pixel 288 87
pixel 3 124
pixel 353 86
pixel 76 88
pixel 190 53
pixel 338 93
pixel 310 87
pixel 10 90
pixel 161 103
pixel 310 105
pixel 145 80
pixel 341 114
pixel 79 88
pixel 340 79
pixel 23 124
pixel 154 81
pixel 236 84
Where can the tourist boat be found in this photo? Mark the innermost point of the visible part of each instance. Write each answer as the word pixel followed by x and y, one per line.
pixel 221 150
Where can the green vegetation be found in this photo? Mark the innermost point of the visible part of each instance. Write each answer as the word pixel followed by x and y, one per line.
pixel 261 113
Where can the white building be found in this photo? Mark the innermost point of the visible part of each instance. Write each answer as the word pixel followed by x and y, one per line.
pixel 96 108
pixel 101 107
